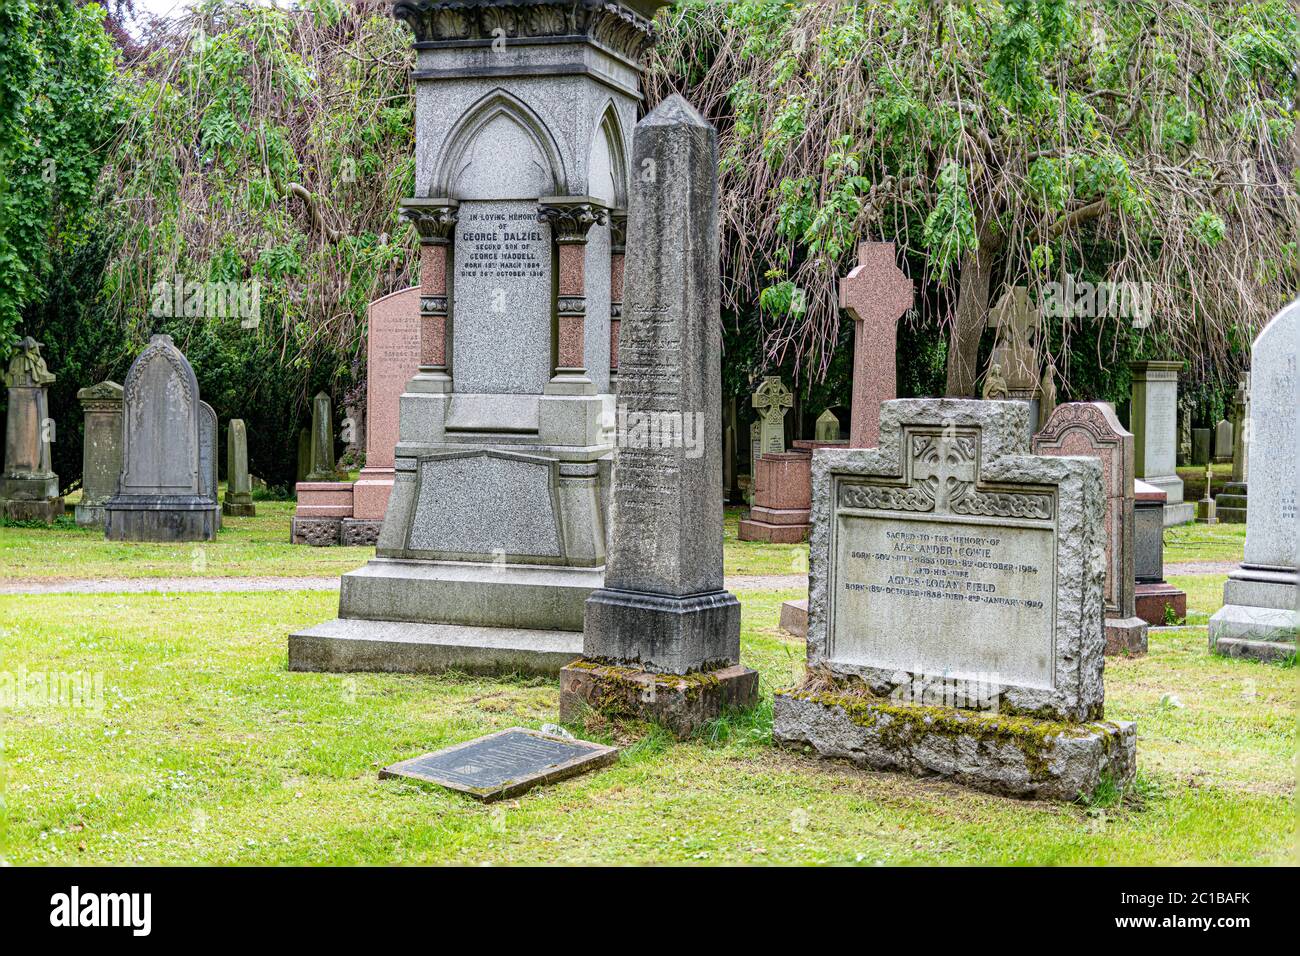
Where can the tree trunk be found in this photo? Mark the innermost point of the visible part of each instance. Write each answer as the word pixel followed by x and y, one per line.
pixel 972 314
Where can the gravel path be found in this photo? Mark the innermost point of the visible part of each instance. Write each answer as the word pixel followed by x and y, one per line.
pixel 1200 567
pixel 744 582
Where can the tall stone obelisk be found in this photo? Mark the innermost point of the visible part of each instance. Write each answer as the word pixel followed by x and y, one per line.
pixel 661 640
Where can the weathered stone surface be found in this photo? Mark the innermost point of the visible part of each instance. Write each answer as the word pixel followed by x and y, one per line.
pixel 794 617
pixel 29 490
pixel 1007 755
pixel 782 500
pixel 875 294
pixel 160 494
pixel 1155 600
pixel 317 532
pixel 360 532
pixel 1018 322
pixel 505 764
pixel 101 450
pixel 322 466
pixel 682 703
pixel 239 488
pixel 827 428
pixel 1202 441
pixel 208 464
pixel 1260 598
pixel 1240 444
pixel 392 359
pixel 948 559
pixel 771 400
pixel 1223 440
pixel 1153 420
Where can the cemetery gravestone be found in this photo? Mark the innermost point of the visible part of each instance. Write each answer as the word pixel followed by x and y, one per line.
pixel 304 453
pixel 101 450
pixel 661 640
pixel 1259 617
pixel 955 608
pixel 1223 441
pixel 875 294
pixel 1202 445
pixel 1153 420
pixel 1205 510
pixel 324 502
pixel 30 488
pixel 772 400
pixel 392 360
pixel 1092 430
pixel 1184 456
pixel 495 530
pixel 160 493
pixel 1015 352
pixel 1155 600
pixel 208 478
pixel 827 428
pixel 239 488
pixel 1232 501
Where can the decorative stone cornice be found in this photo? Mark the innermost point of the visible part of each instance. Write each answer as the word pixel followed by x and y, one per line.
pixel 618 231
pixel 624 27
pixel 571 217
pixel 434 219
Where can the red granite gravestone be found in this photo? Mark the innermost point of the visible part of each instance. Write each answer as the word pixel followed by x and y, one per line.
pixel 875 293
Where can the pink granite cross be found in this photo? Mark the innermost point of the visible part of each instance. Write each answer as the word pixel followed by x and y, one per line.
pixel 875 294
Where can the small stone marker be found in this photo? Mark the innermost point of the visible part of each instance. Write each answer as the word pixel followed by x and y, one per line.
pixel 827 427
pixel 772 400
pixel 30 488
pixel 1205 510
pixel 661 639
pixel 161 492
pixel 322 440
pixel 1259 617
pixel 1202 445
pixel 1153 420
pixel 1223 441
pixel 239 488
pixel 955 589
pixel 1091 429
pixel 101 450
pixel 875 294
pixel 504 764
pixel 1155 600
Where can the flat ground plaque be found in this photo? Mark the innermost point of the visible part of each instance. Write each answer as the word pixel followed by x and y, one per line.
pixel 504 764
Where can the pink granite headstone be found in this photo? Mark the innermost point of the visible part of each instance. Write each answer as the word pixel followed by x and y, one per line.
pixel 392 359
pixel 875 294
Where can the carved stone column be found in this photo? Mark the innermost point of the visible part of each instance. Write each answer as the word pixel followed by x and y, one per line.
pixel 570 219
pixel 617 248
pixel 435 221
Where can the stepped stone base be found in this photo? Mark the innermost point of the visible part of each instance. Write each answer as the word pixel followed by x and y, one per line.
pixel 682 703
pixel 399 647
pixel 89 516
pixel 239 509
pixel 360 531
pixel 774 526
pixel 317 532
pixel 1150 601
pixel 1126 636
pixel 1259 618
pixel 1014 756
pixel 161 518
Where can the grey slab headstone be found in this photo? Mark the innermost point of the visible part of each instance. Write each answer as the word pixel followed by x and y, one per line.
pixel 1259 615
pixel 30 488
pixel 1091 429
pixel 1240 430
pixel 304 453
pixel 101 450
pixel 1202 445
pixel 1223 441
pixel 505 764
pixel 323 466
pixel 954 573
pixel 208 464
pixel 1153 420
pixel 239 488
pixel 663 606
pixel 161 492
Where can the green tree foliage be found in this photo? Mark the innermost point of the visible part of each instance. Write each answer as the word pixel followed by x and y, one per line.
pixel 1002 143
pixel 58 114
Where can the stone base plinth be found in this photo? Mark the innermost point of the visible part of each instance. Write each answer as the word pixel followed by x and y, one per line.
pixel 794 617
pixel 89 516
pixel 662 633
pixel 775 526
pixel 21 510
pixel 317 532
pixel 682 703
pixel 358 531
pixel 1015 756
pixel 161 518
pixel 1180 512
pixel 1151 600
pixel 1259 618
pixel 239 505
pixel 1126 636
pixel 1232 503
pixel 1206 512
pixel 371 492
pixel 399 647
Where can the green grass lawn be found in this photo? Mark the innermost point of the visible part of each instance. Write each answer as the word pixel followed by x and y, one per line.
pixel 1205 542
pixel 244 547
pixel 207 750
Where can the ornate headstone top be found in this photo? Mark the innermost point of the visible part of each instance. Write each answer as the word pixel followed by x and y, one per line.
pixel 771 400
pixel 1017 321
pixel 827 427
pixel 624 27
pixel 27 367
